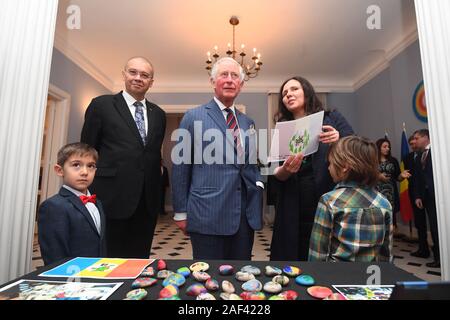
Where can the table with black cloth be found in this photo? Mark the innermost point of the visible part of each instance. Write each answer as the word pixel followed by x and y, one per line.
pixel 325 274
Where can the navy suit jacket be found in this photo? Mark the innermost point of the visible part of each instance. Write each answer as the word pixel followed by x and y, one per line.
pixel 423 181
pixel 210 193
pixel 66 229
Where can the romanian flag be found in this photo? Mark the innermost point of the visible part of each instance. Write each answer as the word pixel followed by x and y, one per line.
pixel 406 210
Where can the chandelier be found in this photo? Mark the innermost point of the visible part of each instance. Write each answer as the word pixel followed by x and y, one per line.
pixel 251 70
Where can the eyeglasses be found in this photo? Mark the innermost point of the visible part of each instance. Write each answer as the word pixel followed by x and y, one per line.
pixel 225 75
pixel 135 73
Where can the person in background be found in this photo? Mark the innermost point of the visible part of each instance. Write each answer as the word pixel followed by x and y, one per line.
pixel 300 181
pixel 420 220
pixel 424 189
pixel 354 221
pixel 390 175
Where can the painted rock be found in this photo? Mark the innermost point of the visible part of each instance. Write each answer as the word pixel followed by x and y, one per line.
pixel 272 287
pixel 162 274
pixel 228 287
pixel 251 269
pixel 305 280
pixel 199 266
pixel 319 292
pixel 162 265
pixel 206 296
pixel 184 271
pixel 252 285
pixel 335 296
pixel 283 280
pixel 272 271
pixel 196 289
pixel 277 297
pixel 201 276
pixel 137 294
pixel 171 298
pixel 148 272
pixel 229 296
pixel 226 270
pixel 253 295
pixel 289 295
pixel 143 283
pixel 169 291
pixel 176 279
pixel 292 271
pixel 212 285
pixel 244 276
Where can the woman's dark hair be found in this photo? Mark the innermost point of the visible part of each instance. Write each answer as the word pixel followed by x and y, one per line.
pixel 312 101
pixel 379 143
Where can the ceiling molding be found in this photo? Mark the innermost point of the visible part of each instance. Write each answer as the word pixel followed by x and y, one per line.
pixel 81 61
pixel 384 62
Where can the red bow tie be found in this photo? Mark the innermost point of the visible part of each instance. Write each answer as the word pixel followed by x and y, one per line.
pixel 86 199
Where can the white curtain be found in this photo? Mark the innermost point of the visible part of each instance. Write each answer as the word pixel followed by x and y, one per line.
pixel 26 40
pixel 434 37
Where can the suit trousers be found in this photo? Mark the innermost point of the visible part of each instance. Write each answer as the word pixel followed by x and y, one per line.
pixel 131 238
pixel 420 222
pixel 430 206
pixel 234 247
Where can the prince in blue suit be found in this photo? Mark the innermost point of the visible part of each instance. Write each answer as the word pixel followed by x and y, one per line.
pixel 72 222
pixel 217 193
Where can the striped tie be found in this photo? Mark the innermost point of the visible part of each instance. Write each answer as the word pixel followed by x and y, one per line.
pixel 232 124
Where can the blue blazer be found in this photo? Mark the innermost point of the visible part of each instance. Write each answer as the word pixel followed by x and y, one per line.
pixel 66 229
pixel 210 194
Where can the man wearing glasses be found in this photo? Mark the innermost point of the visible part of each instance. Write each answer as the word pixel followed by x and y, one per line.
pixel 128 131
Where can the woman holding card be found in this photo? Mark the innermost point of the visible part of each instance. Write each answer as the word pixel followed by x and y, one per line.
pixel 300 181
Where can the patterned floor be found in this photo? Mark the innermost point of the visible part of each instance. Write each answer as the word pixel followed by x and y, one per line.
pixel 170 243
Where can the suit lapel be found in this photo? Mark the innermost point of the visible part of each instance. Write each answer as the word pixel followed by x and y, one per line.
pixel 79 206
pixel 151 123
pixel 122 108
pixel 216 114
pixel 243 127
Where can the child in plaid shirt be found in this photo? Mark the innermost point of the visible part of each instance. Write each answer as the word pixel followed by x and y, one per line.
pixel 353 222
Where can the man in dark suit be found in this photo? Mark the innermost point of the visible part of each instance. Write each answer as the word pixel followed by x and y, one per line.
pixel 164 185
pixel 424 189
pixel 128 131
pixel 217 191
pixel 72 223
pixel 420 220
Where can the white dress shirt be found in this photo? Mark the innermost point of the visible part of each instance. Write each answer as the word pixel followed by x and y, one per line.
pixel 91 208
pixel 130 103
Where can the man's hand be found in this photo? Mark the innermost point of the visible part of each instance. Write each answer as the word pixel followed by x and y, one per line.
pixel 419 203
pixel 182 225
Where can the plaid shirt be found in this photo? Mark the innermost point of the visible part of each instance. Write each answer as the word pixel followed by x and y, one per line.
pixel 352 223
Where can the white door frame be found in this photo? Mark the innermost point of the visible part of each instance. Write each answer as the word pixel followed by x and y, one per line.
pixel 56 138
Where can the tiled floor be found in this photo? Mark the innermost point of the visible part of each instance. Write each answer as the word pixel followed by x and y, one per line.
pixel 170 243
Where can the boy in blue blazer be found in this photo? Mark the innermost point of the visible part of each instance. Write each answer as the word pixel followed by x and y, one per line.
pixel 72 222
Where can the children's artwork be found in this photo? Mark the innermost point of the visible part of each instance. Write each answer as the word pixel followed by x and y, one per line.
pixel 57 290
pixel 100 268
pixel 367 292
pixel 292 137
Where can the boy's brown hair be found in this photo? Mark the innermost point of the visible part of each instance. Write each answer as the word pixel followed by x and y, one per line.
pixel 77 148
pixel 359 156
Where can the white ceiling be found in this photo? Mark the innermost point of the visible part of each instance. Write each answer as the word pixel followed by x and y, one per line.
pixel 327 41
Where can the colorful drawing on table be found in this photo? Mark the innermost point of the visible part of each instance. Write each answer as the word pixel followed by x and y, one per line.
pixel 57 290
pixel 366 292
pixel 296 136
pixel 99 268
